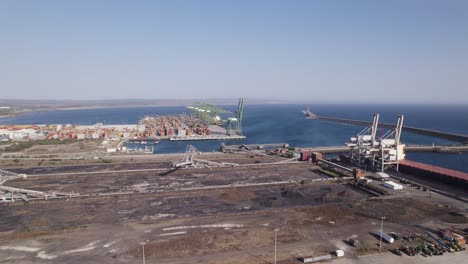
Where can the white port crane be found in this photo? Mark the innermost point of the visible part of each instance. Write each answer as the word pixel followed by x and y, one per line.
pixel 8 175
pixel 381 152
pixel 364 140
pixel 391 150
pixel 190 160
pixel 11 193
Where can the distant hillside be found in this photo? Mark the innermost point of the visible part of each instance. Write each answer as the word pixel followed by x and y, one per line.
pixel 19 105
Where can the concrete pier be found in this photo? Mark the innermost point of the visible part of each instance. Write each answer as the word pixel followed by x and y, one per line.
pixel 422 131
pixel 208 137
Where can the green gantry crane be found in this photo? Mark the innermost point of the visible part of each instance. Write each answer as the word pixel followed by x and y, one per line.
pixel 211 115
pixel 234 124
pixel 208 113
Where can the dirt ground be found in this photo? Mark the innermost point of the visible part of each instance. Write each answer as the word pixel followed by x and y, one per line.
pixel 209 215
pixel 81 146
pixel 96 156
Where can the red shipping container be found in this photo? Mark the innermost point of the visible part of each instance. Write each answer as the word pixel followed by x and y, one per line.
pixel 304 155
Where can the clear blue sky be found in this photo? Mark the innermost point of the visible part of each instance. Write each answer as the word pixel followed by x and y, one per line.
pixel 385 51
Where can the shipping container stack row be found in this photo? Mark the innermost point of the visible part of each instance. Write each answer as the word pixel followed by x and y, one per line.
pixel 313 157
pixel 168 126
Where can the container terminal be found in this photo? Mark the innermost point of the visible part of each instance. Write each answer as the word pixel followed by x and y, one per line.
pixel 247 203
pixel 204 122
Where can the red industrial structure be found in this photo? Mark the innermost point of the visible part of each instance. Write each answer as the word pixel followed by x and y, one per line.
pixel 438 173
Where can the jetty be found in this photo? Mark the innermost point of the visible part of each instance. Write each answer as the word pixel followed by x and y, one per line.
pixel 416 130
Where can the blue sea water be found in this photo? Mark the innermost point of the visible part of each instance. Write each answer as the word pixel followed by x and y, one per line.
pixel 286 124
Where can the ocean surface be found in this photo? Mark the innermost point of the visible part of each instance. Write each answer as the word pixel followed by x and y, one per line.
pixel 286 124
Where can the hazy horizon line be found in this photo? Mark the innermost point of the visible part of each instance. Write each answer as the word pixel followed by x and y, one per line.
pixel 265 100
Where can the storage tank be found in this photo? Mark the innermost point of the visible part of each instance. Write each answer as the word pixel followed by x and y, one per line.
pixel 315 259
pixel 393 185
pixel 381 175
pixel 339 253
pixel 385 237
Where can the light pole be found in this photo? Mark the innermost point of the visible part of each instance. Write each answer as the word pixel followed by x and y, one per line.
pixel 381 233
pixel 143 252
pixel 276 234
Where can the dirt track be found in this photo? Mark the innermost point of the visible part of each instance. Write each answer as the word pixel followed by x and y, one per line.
pixel 218 225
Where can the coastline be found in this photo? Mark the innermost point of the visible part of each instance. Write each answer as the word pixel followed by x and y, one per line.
pixel 69 108
pixel 14 114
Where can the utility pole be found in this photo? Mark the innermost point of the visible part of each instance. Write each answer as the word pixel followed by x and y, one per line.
pixel 143 252
pixel 381 233
pixel 276 234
